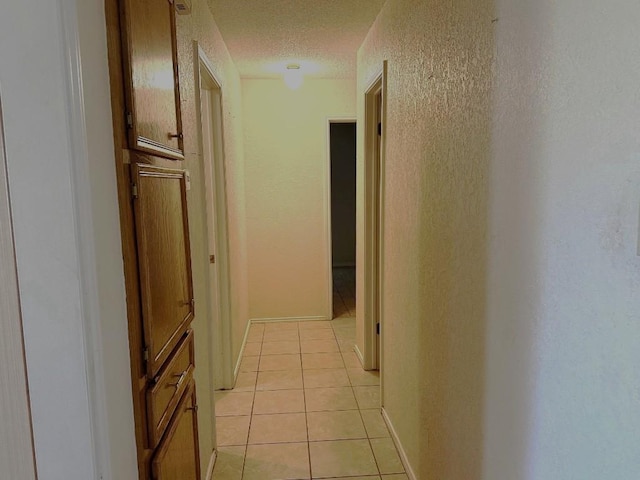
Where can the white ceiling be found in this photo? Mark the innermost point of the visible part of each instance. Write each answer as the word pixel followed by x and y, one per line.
pixel 323 36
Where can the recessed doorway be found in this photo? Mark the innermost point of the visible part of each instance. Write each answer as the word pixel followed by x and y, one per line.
pixel 342 153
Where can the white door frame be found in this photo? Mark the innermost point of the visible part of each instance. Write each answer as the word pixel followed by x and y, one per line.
pixel 374 220
pixel 330 120
pixel 65 299
pixel 217 223
pixel 16 455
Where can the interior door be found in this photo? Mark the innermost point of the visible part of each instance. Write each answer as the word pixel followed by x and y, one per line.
pixel 151 70
pixel 177 457
pixel 162 232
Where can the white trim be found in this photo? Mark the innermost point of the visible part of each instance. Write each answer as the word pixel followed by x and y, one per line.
pixel 327 216
pixel 382 173
pixel 358 353
pixel 212 463
pixel 396 440
pixel 222 339
pixel 85 241
pixel 289 319
pixel 373 263
pixel 236 370
pixel 63 323
pixel 327 204
pixel 16 436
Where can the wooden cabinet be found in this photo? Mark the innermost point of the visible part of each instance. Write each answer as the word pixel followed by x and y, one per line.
pixel 177 456
pixel 162 232
pixel 151 77
pixel 155 235
pixel 168 388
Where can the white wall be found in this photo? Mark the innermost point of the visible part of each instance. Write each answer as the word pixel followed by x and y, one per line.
pixel 201 26
pixel 564 275
pixel 111 304
pixel 65 300
pixel 286 183
pixel 511 306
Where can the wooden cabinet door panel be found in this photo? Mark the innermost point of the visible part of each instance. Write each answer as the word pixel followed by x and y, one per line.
pixel 164 259
pixel 169 386
pixel 152 93
pixel 177 457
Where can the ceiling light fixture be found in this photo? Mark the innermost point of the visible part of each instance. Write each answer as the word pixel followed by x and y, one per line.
pixel 293 76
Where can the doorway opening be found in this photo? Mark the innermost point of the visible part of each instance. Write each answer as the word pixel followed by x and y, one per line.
pixel 209 105
pixel 342 153
pixel 374 220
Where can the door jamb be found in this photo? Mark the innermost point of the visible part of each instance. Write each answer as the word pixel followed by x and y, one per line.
pixel 373 237
pixel 220 338
pixel 328 213
pixel 15 407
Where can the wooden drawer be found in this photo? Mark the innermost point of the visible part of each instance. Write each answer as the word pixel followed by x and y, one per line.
pixel 171 382
pixel 177 457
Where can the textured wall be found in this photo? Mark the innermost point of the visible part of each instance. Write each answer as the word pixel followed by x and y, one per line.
pixel 435 209
pixel 201 26
pixel 511 271
pixel 563 387
pixel 286 184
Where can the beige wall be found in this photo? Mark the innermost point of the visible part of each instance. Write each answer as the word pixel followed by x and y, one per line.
pixel 511 269
pixel 201 26
pixel 286 185
pixel 435 209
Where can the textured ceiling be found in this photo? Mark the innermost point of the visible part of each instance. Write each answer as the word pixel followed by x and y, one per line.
pixel 323 36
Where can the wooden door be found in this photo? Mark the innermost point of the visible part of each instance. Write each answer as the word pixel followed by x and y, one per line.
pixel 164 258
pixel 177 457
pixel 151 77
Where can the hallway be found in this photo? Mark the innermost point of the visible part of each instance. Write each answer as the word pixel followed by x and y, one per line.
pixel 303 408
pixel 344 292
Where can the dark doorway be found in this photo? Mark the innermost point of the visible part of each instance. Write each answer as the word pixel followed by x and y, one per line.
pixel 343 217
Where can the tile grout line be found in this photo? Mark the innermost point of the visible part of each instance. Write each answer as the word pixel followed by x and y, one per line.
pixel 304 398
pixel 253 403
pixel 362 418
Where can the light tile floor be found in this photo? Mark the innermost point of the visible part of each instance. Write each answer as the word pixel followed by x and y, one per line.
pixel 303 408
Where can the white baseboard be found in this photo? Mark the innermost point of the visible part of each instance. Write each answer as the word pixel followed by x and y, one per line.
pixel 289 319
pixel 212 462
pixel 236 370
pixel 403 455
pixel 358 353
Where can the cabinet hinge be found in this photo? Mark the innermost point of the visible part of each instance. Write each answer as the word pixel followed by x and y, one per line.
pixel 134 190
pixel 145 354
pixel 129 120
pixel 378 328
